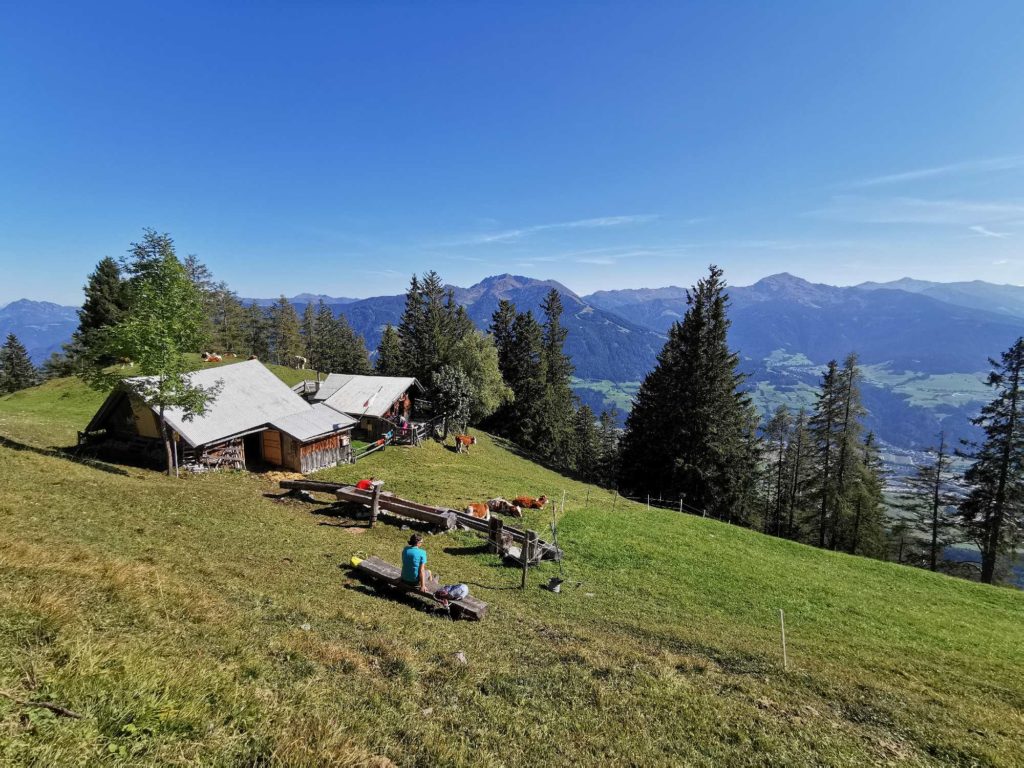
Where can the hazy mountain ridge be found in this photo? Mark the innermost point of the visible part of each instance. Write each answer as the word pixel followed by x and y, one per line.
pixel 42 326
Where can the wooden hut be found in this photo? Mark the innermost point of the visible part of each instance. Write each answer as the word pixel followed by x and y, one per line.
pixel 378 403
pixel 236 430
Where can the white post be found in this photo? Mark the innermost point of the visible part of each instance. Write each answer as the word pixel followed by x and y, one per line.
pixel 680 506
pixel 648 501
pixel 782 624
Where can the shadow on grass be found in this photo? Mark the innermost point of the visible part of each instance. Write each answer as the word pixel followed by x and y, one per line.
pixel 69 454
pixel 367 585
pixel 478 549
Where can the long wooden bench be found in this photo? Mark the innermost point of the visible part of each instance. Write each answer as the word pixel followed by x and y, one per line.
pixel 390 575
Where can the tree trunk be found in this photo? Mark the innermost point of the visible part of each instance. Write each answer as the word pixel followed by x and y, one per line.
pixel 991 549
pixel 168 449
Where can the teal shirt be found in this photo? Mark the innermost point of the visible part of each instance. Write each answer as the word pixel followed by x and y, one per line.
pixel 412 559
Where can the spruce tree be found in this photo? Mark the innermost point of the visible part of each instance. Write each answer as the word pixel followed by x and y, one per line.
pixel 799 468
pixel 778 433
pixel 526 413
pixel 554 437
pixel 824 427
pixel 502 328
pixel 409 329
pixel 389 353
pixel 865 533
pixel 928 500
pixel 993 512
pixel 228 321
pixel 586 445
pixel 308 331
pixel 452 393
pixel 848 457
pixel 16 369
pixel 325 353
pixel 608 438
pixel 257 331
pixel 56 366
pixel 285 337
pixel 104 305
pixel 691 434
pixel 352 356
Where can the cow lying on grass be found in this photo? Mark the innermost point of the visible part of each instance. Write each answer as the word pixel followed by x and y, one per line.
pixel 483 510
pixel 528 502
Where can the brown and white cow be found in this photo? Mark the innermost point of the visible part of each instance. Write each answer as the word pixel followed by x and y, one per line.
pixel 528 502
pixel 462 443
pixel 504 507
pixel 479 511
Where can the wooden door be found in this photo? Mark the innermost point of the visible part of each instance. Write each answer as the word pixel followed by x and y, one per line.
pixel 272 447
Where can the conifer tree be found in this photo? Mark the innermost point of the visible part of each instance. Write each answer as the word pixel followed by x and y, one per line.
pixel 586 444
pixel 526 413
pixel 16 369
pixel 409 328
pixel 202 279
pixel 104 305
pixel 308 331
pixel 848 439
pixel 691 432
pixel 257 331
pixel 56 366
pixel 228 321
pixel 554 436
pixel 389 353
pixel 928 500
pixel 502 324
pixel 608 438
pixel 798 468
pixel 325 353
pixel 866 527
pixel 285 337
pixel 993 512
pixel 351 349
pixel 824 427
pixel 778 434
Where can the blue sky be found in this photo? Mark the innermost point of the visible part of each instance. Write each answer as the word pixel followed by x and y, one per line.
pixel 336 148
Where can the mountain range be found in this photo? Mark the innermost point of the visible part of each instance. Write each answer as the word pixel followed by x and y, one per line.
pixel 923 345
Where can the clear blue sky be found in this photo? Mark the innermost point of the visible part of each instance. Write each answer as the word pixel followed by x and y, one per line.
pixel 336 148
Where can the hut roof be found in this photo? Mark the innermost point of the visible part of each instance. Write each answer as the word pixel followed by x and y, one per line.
pixel 249 398
pixel 316 422
pixel 364 395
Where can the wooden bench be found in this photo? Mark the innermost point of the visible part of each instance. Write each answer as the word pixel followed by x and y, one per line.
pixel 379 570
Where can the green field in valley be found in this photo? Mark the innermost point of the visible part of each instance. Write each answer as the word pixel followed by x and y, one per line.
pixel 201 622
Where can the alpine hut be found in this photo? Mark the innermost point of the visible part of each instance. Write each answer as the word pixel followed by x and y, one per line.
pixel 379 403
pixel 254 420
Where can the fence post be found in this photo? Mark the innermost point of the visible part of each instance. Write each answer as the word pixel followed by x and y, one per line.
pixel 529 540
pixel 680 506
pixel 494 535
pixel 648 502
pixel 375 501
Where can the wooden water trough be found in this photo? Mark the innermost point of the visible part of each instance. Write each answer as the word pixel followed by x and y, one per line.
pixel 390 575
pixel 503 539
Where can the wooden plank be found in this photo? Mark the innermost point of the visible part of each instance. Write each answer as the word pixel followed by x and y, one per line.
pixel 468 608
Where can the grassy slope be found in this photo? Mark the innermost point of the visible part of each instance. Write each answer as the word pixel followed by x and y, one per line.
pixel 171 614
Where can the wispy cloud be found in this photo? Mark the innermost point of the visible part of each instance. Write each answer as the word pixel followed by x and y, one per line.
pixel 989 165
pixel 986 232
pixel 912 210
pixel 511 235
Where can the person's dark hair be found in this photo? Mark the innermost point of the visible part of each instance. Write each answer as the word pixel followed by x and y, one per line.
pixel 415 540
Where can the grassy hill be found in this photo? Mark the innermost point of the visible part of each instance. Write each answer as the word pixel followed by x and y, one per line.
pixel 199 621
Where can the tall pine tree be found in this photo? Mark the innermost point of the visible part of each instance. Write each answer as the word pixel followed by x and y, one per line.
pixel 389 353
pixel 928 500
pixel 993 512
pixel 16 369
pixel 691 432
pixel 105 304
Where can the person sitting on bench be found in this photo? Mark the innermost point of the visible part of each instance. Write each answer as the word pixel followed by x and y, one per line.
pixel 414 565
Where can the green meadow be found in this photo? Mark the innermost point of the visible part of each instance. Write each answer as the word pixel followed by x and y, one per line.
pixel 204 622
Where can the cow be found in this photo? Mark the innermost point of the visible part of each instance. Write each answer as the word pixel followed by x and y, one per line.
pixel 504 507
pixel 479 511
pixel 528 502
pixel 462 443
pixel 298 361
